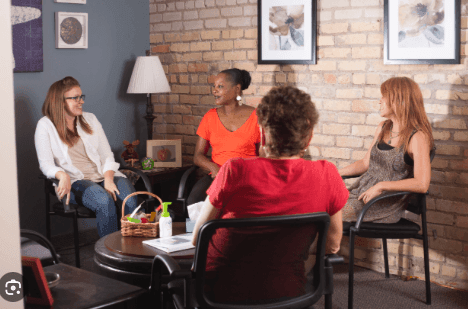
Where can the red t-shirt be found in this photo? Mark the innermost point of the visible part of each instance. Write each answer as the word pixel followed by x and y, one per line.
pixel 226 144
pixel 258 187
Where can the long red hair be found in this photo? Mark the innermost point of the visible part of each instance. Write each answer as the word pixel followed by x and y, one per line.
pixel 55 107
pixel 406 100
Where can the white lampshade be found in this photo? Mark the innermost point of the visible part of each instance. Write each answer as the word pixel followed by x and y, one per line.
pixel 148 76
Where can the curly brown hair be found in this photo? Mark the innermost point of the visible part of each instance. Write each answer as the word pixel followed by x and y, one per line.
pixel 289 116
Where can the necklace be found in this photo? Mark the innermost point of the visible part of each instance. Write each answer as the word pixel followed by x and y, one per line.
pixel 391 136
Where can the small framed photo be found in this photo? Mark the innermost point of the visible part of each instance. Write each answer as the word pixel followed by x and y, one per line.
pixel 165 153
pixel 71 30
pixel 287 31
pixel 71 1
pixel 422 32
pixel 35 289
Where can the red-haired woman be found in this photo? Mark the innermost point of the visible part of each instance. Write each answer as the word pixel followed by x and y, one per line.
pixel 72 147
pixel 398 159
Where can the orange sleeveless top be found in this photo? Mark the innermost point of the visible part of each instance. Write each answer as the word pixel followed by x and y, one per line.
pixel 226 144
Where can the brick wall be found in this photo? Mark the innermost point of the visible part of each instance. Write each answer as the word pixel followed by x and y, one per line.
pixel 197 39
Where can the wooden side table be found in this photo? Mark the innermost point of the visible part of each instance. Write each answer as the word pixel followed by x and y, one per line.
pixel 79 288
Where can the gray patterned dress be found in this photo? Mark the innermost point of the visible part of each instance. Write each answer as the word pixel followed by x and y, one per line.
pixel 384 165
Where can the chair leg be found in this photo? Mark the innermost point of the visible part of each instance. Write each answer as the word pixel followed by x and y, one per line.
pixel 351 270
pixel 426 264
pixel 328 301
pixel 47 216
pixel 385 252
pixel 77 242
pixel 48 226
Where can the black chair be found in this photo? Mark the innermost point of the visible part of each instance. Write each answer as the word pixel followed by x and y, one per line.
pixel 76 211
pixel 185 186
pixel 35 236
pixel 403 229
pixel 186 287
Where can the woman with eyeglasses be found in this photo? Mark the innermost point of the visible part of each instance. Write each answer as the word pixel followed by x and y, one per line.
pixel 72 147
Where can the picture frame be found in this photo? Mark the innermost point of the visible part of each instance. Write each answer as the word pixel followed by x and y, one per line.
pixel 71 30
pixel 287 31
pixel 432 37
pixel 36 290
pixel 27 30
pixel 71 1
pixel 165 153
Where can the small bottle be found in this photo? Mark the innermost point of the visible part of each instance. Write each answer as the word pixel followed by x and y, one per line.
pixel 165 223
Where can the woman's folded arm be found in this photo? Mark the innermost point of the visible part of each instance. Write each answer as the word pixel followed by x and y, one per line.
pixel 200 159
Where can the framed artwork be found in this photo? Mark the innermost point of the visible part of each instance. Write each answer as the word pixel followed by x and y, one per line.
pixel 26 24
pixel 287 31
pixel 71 1
pixel 71 30
pixel 422 32
pixel 165 153
pixel 35 289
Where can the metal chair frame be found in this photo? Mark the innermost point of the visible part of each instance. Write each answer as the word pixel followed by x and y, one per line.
pixel 323 269
pixel 406 230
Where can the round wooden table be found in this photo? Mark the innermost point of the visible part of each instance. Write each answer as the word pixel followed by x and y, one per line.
pixel 127 259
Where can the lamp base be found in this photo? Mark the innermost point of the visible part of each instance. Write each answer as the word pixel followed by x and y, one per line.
pixel 149 116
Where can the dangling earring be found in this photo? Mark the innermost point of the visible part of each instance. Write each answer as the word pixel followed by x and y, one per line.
pixel 239 98
pixel 263 141
pixel 262 138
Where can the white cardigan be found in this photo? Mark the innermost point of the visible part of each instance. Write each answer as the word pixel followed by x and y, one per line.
pixel 53 153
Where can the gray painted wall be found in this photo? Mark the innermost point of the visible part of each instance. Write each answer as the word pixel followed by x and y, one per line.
pixel 118 33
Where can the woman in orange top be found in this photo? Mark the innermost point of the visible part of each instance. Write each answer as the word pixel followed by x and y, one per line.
pixel 231 130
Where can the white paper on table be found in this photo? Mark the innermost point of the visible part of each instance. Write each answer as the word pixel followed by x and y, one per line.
pixel 194 210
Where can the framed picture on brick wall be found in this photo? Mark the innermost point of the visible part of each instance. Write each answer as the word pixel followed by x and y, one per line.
pixel 287 31
pixel 422 32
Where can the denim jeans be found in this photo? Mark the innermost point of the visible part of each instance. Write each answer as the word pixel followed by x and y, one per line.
pixel 93 196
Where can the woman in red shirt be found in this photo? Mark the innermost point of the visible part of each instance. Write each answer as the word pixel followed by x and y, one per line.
pixel 231 130
pixel 280 183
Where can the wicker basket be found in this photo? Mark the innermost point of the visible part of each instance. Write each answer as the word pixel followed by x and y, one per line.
pixel 138 229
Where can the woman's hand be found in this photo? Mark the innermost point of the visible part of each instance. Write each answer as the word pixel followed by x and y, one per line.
pixel 111 188
pixel 371 193
pixel 64 186
pixel 215 171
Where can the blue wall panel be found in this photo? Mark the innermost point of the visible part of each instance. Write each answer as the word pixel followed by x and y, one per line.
pixel 118 33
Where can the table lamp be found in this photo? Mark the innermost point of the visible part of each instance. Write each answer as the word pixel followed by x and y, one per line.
pixel 148 77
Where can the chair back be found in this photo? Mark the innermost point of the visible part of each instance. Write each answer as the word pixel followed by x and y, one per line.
pixel 417 201
pixel 254 243
pixel 42 240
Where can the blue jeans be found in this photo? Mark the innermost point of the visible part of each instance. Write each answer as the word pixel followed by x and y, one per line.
pixel 93 196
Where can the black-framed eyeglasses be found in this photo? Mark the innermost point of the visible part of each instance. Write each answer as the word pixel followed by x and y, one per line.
pixel 77 98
